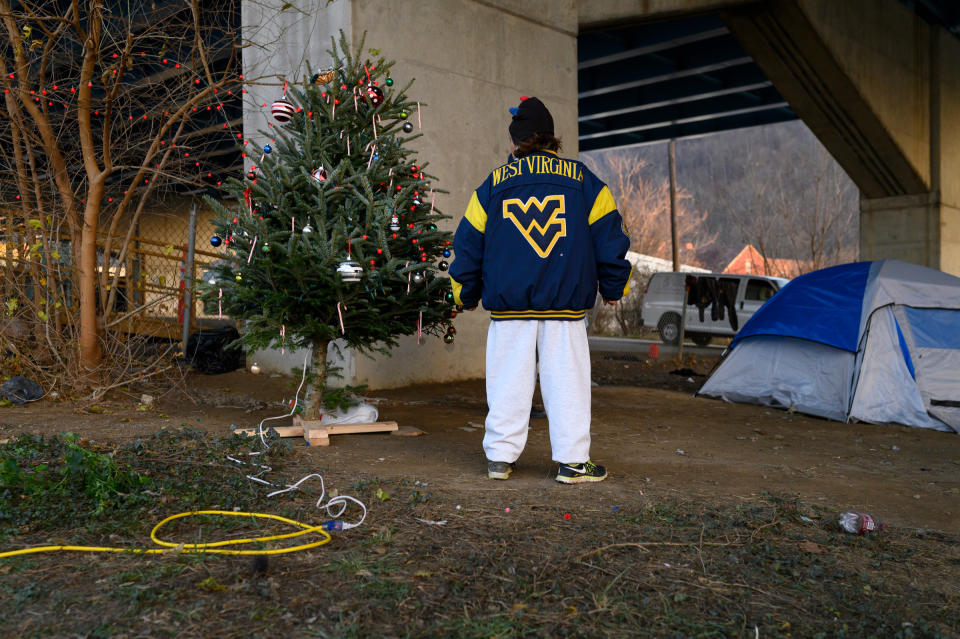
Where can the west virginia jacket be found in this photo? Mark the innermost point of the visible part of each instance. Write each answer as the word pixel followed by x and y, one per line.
pixel 539 236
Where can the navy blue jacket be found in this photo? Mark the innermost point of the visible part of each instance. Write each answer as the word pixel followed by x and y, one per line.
pixel 539 237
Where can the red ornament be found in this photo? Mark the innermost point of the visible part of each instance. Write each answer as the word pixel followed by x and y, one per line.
pixel 282 110
pixel 374 95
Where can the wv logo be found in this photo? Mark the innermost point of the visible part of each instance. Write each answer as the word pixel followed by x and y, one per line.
pixel 538 221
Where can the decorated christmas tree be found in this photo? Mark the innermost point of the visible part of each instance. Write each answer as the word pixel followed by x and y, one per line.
pixel 333 232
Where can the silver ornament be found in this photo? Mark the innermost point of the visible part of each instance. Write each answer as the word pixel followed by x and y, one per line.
pixel 350 271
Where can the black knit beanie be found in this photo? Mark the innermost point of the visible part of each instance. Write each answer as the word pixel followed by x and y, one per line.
pixel 530 118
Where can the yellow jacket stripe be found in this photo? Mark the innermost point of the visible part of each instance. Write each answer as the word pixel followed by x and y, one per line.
pixel 569 315
pixel 601 206
pixel 457 286
pixel 475 214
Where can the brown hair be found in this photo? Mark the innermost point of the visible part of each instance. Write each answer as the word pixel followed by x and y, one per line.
pixel 538 142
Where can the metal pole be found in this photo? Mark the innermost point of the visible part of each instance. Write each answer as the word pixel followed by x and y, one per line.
pixel 188 277
pixel 683 316
pixel 674 241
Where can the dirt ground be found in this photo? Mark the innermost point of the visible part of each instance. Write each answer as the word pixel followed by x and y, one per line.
pixel 648 429
pixel 717 520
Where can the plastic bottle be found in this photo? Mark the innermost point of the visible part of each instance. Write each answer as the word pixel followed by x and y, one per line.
pixel 859 523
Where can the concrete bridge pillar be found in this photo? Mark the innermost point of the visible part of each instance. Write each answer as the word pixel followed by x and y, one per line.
pixel 472 60
pixel 877 85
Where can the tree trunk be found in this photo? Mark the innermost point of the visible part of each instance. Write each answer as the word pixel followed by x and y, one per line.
pixel 90 353
pixel 318 371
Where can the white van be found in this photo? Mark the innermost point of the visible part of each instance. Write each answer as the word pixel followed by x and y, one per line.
pixel 717 303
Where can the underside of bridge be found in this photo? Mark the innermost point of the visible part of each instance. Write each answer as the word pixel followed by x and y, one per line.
pixel 877 82
pixel 669 80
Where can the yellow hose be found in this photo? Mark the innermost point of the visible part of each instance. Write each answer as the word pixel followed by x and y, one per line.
pixel 211 548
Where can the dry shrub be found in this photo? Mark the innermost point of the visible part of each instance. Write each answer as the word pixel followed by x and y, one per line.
pixel 39 340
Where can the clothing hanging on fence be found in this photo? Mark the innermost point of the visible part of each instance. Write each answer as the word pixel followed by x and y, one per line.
pixel 700 293
pixel 720 294
pixel 728 295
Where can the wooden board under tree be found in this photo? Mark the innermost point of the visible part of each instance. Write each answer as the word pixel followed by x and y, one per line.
pixel 318 434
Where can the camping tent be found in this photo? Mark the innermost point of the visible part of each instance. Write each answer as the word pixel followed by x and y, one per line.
pixel 870 341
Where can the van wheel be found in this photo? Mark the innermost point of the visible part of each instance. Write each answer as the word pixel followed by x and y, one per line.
pixel 701 339
pixel 669 328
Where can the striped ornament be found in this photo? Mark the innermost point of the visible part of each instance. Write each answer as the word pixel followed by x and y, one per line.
pixel 283 110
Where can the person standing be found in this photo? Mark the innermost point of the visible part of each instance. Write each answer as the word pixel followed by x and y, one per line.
pixel 539 237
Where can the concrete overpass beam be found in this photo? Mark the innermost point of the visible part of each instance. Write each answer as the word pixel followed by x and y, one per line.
pixel 878 86
pixel 794 53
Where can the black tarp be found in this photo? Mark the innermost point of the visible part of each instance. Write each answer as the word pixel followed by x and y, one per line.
pixel 208 350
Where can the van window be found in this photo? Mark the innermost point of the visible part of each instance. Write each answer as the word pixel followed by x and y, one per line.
pixel 759 290
pixel 661 281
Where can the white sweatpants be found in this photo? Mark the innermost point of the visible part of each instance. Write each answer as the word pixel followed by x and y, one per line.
pixel 512 348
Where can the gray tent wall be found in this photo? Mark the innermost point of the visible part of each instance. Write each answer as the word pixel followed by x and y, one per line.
pixel 885 390
pixel 906 368
pixel 785 372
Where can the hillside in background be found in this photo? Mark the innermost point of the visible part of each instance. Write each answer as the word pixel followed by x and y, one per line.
pixel 774 187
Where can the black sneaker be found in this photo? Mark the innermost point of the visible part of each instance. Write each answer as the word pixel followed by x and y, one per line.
pixel 499 470
pixel 579 473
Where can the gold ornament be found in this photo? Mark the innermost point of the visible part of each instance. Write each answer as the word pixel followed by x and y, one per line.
pixel 323 77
